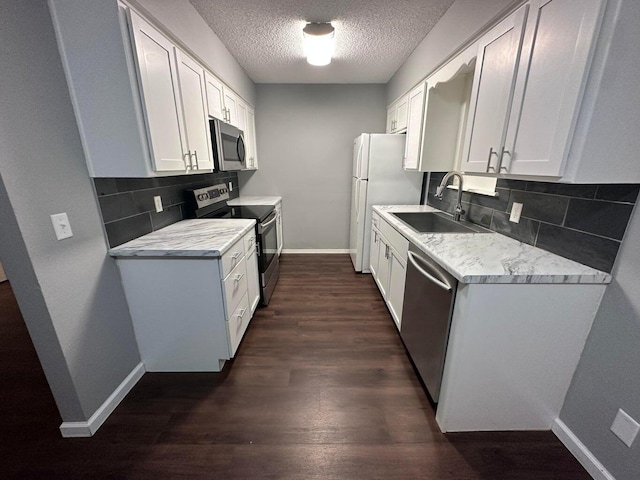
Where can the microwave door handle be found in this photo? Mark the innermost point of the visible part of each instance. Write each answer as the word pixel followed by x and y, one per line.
pixel 239 144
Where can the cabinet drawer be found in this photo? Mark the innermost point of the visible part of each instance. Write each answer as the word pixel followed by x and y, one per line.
pixel 238 323
pixel 232 257
pixel 235 285
pixel 249 243
pixel 395 239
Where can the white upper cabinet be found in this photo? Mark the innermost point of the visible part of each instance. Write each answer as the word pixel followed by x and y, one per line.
pixel 193 95
pixel 559 39
pixel 160 95
pixel 231 107
pixel 215 97
pixel 493 85
pixel 415 105
pixel 241 109
pixel 397 115
pixel 529 81
pixel 250 140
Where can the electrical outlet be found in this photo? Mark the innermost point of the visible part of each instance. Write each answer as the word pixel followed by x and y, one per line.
pixel 157 201
pixel 516 211
pixel 625 428
pixel 61 226
pixel 230 186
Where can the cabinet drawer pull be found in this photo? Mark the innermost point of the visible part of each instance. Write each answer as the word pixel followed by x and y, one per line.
pixel 236 255
pixel 491 153
pixel 242 312
pixel 239 277
pixel 500 167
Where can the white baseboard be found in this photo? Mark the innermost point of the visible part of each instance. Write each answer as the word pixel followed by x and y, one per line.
pixel 579 450
pixel 315 250
pixel 91 426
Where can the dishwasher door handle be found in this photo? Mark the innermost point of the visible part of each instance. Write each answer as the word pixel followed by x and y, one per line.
pixel 441 282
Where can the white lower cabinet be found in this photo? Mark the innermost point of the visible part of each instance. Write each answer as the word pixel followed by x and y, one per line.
pixel 388 263
pixel 279 227
pixel 190 314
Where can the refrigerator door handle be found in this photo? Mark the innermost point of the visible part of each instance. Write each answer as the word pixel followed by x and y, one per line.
pixel 358 160
pixel 357 200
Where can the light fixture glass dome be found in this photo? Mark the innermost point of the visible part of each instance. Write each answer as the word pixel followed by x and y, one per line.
pixel 318 43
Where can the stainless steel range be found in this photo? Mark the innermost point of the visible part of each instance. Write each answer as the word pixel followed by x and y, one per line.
pixel 211 202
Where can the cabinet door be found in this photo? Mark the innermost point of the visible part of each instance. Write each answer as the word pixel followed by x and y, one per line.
pixel 402 112
pixel 157 75
pixel 556 54
pixel 382 278
pixel 231 104
pixel 194 106
pixel 241 109
pixel 374 252
pixel 414 128
pixel 391 118
pixel 215 97
pixel 492 93
pixel 250 138
pixel 395 293
pixel 253 279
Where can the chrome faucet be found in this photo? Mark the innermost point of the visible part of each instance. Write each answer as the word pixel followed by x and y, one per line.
pixel 440 191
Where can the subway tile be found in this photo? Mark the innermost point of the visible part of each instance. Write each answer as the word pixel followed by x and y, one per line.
pixel 512 184
pixel 105 186
pixel 478 214
pixel 608 219
pixel 537 206
pixel 498 203
pixel 165 218
pixel 115 207
pixel 565 189
pixel 618 192
pixel 596 252
pixel 131 184
pixel 525 231
pixel 122 231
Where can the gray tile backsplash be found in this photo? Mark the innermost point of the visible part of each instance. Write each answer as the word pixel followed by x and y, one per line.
pixel 585 223
pixel 127 206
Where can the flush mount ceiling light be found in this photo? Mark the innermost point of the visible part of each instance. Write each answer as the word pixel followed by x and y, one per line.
pixel 318 43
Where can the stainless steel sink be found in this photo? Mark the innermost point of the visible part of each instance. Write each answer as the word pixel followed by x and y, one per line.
pixel 433 222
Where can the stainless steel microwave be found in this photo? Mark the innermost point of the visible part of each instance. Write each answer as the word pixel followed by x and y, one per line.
pixel 228 146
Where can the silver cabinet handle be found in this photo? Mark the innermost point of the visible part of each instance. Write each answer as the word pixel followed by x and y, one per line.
pixel 239 277
pixel 375 237
pixel 491 153
pixel 195 154
pixel 190 165
pixel 236 255
pixel 502 152
pixel 442 283
pixel 242 312
pixel 386 251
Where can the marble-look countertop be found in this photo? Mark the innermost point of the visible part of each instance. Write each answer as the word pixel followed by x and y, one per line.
pixel 491 257
pixel 188 238
pixel 254 201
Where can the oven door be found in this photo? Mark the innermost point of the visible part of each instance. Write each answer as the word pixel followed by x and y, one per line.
pixel 268 238
pixel 228 146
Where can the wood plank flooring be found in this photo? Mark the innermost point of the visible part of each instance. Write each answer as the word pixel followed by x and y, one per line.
pixel 321 388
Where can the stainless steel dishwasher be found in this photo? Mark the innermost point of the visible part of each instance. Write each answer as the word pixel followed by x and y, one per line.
pixel 429 294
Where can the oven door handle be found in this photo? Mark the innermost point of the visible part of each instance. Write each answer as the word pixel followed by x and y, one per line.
pixel 265 225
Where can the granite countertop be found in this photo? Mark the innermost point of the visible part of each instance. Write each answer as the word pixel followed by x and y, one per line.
pixel 491 257
pixel 188 238
pixel 254 201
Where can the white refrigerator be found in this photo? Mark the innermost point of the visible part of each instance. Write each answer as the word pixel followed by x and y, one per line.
pixel 378 179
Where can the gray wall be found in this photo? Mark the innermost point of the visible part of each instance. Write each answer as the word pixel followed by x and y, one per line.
pixel 182 19
pixel 69 291
pixel 305 139
pixel 608 375
pixel 462 22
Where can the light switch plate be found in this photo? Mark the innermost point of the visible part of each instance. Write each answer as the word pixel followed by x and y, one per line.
pixel 157 201
pixel 516 211
pixel 61 226
pixel 625 428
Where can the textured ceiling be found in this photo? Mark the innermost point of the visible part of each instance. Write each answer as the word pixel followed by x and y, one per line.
pixel 373 37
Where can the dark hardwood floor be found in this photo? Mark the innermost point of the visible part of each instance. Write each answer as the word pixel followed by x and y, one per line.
pixel 321 388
